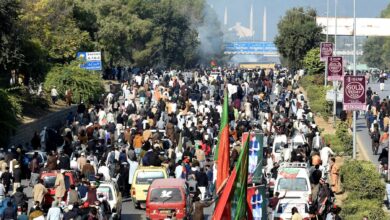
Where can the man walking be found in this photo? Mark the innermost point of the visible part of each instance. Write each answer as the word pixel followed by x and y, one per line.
pixel 39 191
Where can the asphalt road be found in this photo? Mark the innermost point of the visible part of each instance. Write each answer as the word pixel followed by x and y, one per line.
pixel 362 136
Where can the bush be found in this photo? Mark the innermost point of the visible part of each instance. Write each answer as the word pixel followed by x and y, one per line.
pixel 316 94
pixel 344 137
pixel 362 180
pixel 334 143
pixel 312 62
pixel 10 110
pixel 84 84
pixel 356 209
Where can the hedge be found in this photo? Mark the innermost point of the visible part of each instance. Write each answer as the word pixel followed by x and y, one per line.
pixel 316 93
pixel 362 180
pixel 356 209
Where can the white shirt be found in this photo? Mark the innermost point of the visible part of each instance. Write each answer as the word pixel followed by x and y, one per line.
pixel 54 213
pixel 178 171
pixel 325 152
pixel 105 171
pixel 54 92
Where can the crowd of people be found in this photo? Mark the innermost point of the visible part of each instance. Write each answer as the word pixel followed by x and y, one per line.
pixel 171 119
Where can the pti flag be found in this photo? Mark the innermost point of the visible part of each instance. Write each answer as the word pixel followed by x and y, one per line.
pixel 239 204
pixel 255 156
pixel 257 204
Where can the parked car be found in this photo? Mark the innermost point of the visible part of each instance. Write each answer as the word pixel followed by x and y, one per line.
pixel 283 209
pixel 143 177
pixel 167 198
pixel 293 178
pixel 114 197
pixel 42 158
pixel 49 179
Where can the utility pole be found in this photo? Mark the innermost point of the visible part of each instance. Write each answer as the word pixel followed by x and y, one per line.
pixel 354 73
pixel 327 38
pixel 335 83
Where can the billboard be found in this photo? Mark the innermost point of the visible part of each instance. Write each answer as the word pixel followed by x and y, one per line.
pixel 257 203
pixel 326 50
pixel 255 156
pixel 364 26
pixel 261 48
pixel 335 68
pixel 92 60
pixel 354 93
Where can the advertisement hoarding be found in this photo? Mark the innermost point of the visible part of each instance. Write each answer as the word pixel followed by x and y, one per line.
pixel 354 93
pixel 335 68
pixel 92 60
pixel 255 156
pixel 326 50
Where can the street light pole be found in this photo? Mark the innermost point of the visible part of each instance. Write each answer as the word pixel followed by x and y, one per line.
pixel 327 38
pixel 354 73
pixel 335 83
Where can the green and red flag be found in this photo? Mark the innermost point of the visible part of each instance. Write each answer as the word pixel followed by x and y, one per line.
pixel 239 203
pixel 232 202
pixel 222 152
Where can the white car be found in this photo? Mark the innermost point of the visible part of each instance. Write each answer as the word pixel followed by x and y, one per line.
pixel 296 140
pixel 293 178
pixel 278 145
pixel 284 207
pixel 110 190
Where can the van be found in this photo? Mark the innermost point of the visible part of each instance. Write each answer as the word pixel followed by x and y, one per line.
pixel 293 179
pixel 110 190
pixel 168 198
pixel 143 177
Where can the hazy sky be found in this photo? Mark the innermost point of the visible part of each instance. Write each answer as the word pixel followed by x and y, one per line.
pixel 238 11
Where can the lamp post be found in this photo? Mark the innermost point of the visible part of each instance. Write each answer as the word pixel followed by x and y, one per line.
pixel 354 73
pixel 335 83
pixel 327 38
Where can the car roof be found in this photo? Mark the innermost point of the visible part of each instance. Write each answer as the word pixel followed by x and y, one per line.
pixel 54 172
pixel 151 168
pixel 292 200
pixel 170 182
pixel 292 172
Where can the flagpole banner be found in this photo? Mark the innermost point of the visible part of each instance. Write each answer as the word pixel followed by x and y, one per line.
pixel 257 204
pixel 335 68
pixel 256 146
pixel 326 50
pixel 354 93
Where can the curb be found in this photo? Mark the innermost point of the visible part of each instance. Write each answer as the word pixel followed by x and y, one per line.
pixel 361 149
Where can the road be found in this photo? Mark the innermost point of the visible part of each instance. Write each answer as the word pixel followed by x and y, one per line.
pixel 362 136
pixel 128 210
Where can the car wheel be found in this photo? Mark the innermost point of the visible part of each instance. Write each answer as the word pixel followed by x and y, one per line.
pixel 136 205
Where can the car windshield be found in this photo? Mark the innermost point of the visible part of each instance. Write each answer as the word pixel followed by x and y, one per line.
pixel 49 181
pixel 147 177
pixel 105 191
pixel 166 195
pixel 278 146
pixel 285 207
pixel 292 184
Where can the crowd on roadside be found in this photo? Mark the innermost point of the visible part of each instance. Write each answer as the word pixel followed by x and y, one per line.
pixel 171 119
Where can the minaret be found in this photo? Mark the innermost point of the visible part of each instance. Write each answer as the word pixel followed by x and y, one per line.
pixel 225 18
pixel 265 24
pixel 251 20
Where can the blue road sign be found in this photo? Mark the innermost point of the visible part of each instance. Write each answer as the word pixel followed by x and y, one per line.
pixel 251 48
pixel 93 60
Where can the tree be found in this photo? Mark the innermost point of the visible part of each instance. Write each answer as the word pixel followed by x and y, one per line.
pixel 376 50
pixel 10 55
pixel 52 23
pixel 85 85
pixel 373 50
pixel 312 62
pixel 298 33
pixel 10 109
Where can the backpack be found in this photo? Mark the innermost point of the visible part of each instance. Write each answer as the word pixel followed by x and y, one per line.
pixel 376 136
